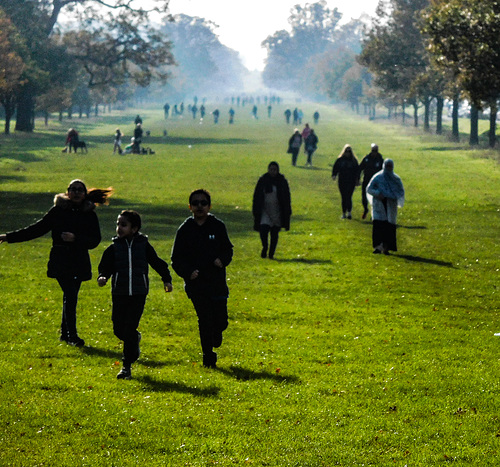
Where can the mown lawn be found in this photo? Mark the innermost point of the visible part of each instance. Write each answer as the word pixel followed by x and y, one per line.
pixel 334 356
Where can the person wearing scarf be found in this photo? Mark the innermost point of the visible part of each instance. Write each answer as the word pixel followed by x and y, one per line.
pixel 75 230
pixel 385 193
pixel 271 207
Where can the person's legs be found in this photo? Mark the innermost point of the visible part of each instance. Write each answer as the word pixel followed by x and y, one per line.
pixel 378 235
pixel 212 321
pixel 70 287
pixel 264 233
pixel 274 241
pixel 295 153
pixel 126 315
pixel 220 317
pixel 364 199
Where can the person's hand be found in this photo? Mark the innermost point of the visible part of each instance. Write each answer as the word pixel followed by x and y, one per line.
pixel 102 281
pixel 3 238
pixel 334 177
pixel 194 274
pixel 167 286
pixel 218 263
pixel 68 237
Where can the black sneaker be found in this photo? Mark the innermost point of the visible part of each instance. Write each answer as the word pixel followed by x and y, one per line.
pixel 125 373
pixel 75 341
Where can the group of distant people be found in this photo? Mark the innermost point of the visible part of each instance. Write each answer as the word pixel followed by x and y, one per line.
pixel 310 140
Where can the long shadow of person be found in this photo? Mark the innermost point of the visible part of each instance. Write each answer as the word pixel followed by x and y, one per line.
pixel 154 385
pixel 245 374
pixel 419 259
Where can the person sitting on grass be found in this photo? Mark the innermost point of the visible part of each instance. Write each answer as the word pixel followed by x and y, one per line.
pixel 126 261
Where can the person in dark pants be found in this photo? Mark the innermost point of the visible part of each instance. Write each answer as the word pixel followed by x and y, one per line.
pixel 201 252
pixel 346 168
pixel 311 144
pixel 294 144
pixel 75 230
pixel 126 261
pixel 271 207
pixel 370 165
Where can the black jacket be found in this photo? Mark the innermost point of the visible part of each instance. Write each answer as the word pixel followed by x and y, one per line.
pixel 127 263
pixel 284 199
pixel 66 258
pixel 347 170
pixel 196 247
pixel 370 165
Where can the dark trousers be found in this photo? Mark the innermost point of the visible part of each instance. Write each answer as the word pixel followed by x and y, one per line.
pixel 295 154
pixel 264 234
pixel 70 287
pixel 384 232
pixel 346 191
pixel 212 321
pixel 309 157
pixel 127 312
pixel 364 199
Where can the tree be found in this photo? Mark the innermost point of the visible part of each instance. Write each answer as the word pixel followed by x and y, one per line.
pixel 313 28
pixel 463 36
pixel 394 50
pixel 203 63
pixel 11 68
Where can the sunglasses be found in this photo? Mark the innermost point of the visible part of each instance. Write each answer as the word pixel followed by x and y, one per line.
pixel 201 202
pixel 77 190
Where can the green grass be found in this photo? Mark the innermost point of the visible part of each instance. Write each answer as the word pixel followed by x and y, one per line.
pixel 334 356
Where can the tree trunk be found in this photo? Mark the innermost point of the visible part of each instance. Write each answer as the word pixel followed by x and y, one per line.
pixel 404 112
pixel 25 112
pixel 9 108
pixel 474 126
pixel 493 124
pixel 455 134
pixel 427 107
pixel 46 117
pixel 415 114
pixel 439 115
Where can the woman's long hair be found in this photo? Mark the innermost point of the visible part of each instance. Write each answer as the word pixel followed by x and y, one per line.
pixel 95 195
pixel 347 152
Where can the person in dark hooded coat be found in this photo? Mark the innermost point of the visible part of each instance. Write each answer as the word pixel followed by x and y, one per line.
pixel 271 208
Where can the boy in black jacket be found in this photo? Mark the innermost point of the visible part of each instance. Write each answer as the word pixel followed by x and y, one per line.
pixel 126 261
pixel 200 254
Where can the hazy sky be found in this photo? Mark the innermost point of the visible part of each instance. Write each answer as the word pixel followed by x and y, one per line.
pixel 244 24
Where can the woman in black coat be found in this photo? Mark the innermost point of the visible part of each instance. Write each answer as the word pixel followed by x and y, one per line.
pixel 271 207
pixel 346 168
pixel 75 230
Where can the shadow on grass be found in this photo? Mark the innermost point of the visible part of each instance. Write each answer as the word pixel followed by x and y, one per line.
pixel 96 351
pixel 419 259
pixel 412 227
pixel 154 385
pixel 171 140
pixel 22 209
pixel 303 261
pixel 244 374
pixel 309 167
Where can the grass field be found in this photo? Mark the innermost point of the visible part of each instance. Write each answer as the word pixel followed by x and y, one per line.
pixel 333 356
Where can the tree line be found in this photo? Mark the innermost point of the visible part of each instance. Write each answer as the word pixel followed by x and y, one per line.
pixel 411 54
pixel 110 52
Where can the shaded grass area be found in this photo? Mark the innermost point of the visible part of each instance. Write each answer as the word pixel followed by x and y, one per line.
pixel 333 356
